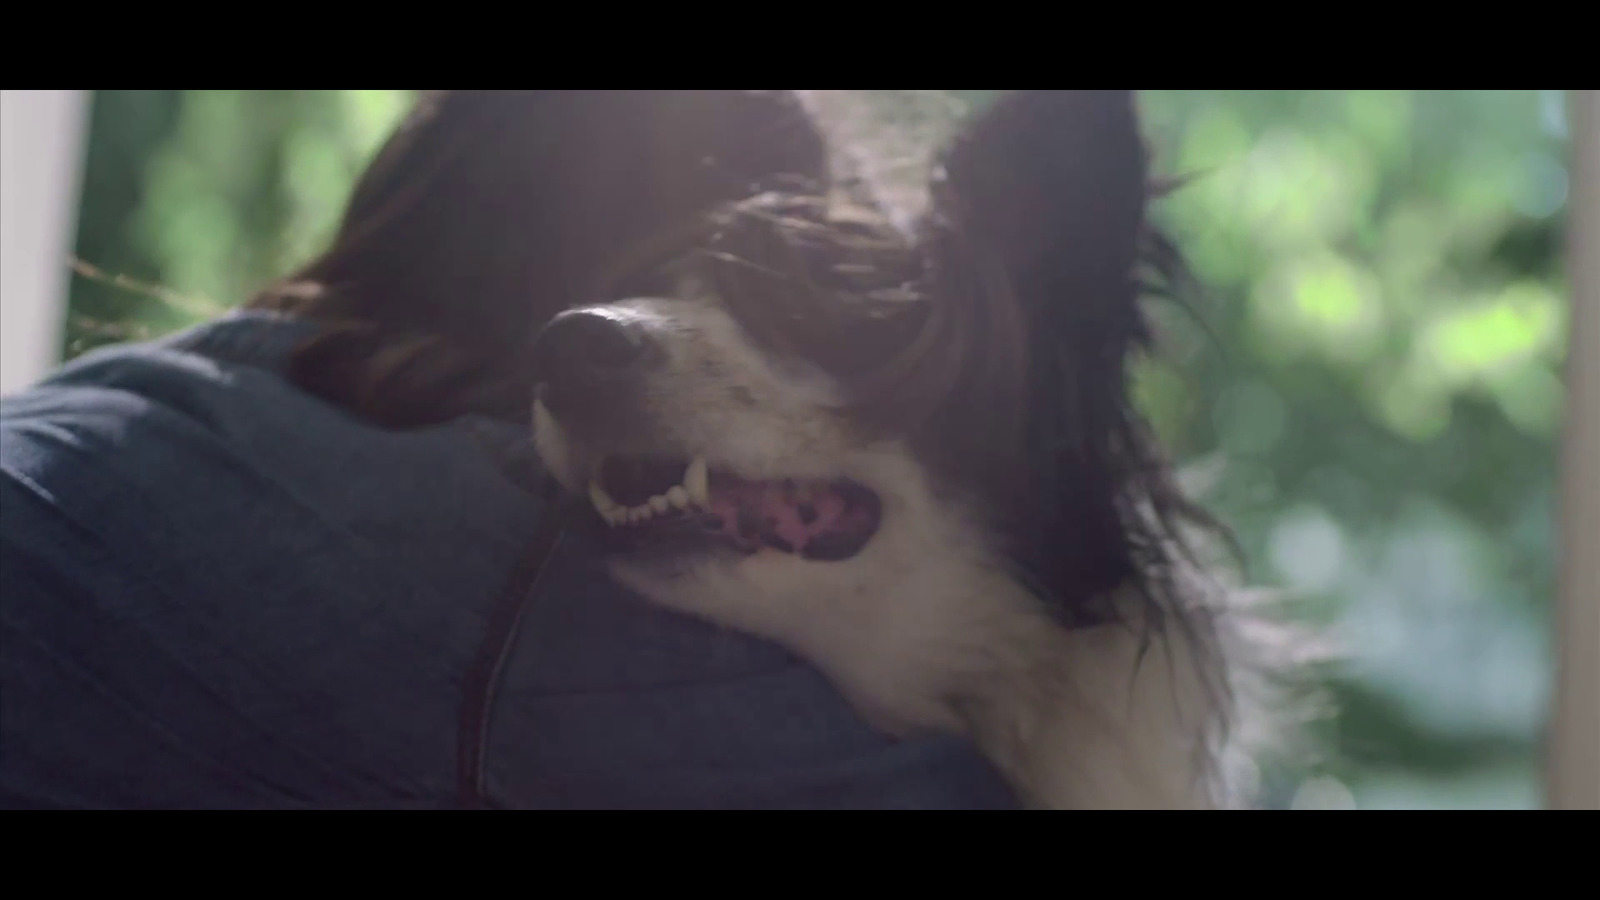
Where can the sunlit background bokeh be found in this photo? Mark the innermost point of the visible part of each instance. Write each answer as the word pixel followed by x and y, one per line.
pixel 1373 402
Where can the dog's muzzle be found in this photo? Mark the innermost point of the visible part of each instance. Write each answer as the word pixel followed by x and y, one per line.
pixel 592 366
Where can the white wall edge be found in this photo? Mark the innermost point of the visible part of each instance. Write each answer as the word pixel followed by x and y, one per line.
pixel 42 136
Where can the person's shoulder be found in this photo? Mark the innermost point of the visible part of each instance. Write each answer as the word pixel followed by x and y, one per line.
pixel 202 431
pixel 223 383
pixel 233 362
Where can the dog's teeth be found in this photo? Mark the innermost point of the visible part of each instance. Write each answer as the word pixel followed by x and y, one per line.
pixel 660 503
pixel 678 497
pixel 696 482
pixel 615 517
pixel 602 501
pixel 639 514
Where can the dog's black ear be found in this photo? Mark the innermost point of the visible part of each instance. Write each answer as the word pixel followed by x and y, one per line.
pixel 1036 228
pixel 1054 183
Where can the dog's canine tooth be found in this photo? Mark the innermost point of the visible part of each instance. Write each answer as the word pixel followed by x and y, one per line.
pixel 678 496
pixel 696 481
pixel 602 501
pixel 660 503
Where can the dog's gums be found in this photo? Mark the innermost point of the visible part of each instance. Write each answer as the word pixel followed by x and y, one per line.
pixel 819 520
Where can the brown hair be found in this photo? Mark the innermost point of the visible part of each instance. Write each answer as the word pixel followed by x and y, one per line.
pixel 487 212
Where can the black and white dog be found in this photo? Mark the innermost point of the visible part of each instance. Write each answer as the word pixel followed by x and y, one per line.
pixel 909 455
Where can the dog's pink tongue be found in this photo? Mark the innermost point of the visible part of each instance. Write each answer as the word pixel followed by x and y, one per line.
pixel 775 514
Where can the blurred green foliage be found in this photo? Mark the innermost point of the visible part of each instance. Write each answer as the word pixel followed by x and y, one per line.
pixel 1381 413
pixel 209 194
pixel 1372 401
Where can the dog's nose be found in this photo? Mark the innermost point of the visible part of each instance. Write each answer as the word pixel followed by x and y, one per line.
pixel 587 356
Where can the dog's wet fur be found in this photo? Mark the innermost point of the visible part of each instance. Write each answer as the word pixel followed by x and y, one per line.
pixel 902 447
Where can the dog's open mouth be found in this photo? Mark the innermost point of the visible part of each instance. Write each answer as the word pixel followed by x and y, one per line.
pixel 641 499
